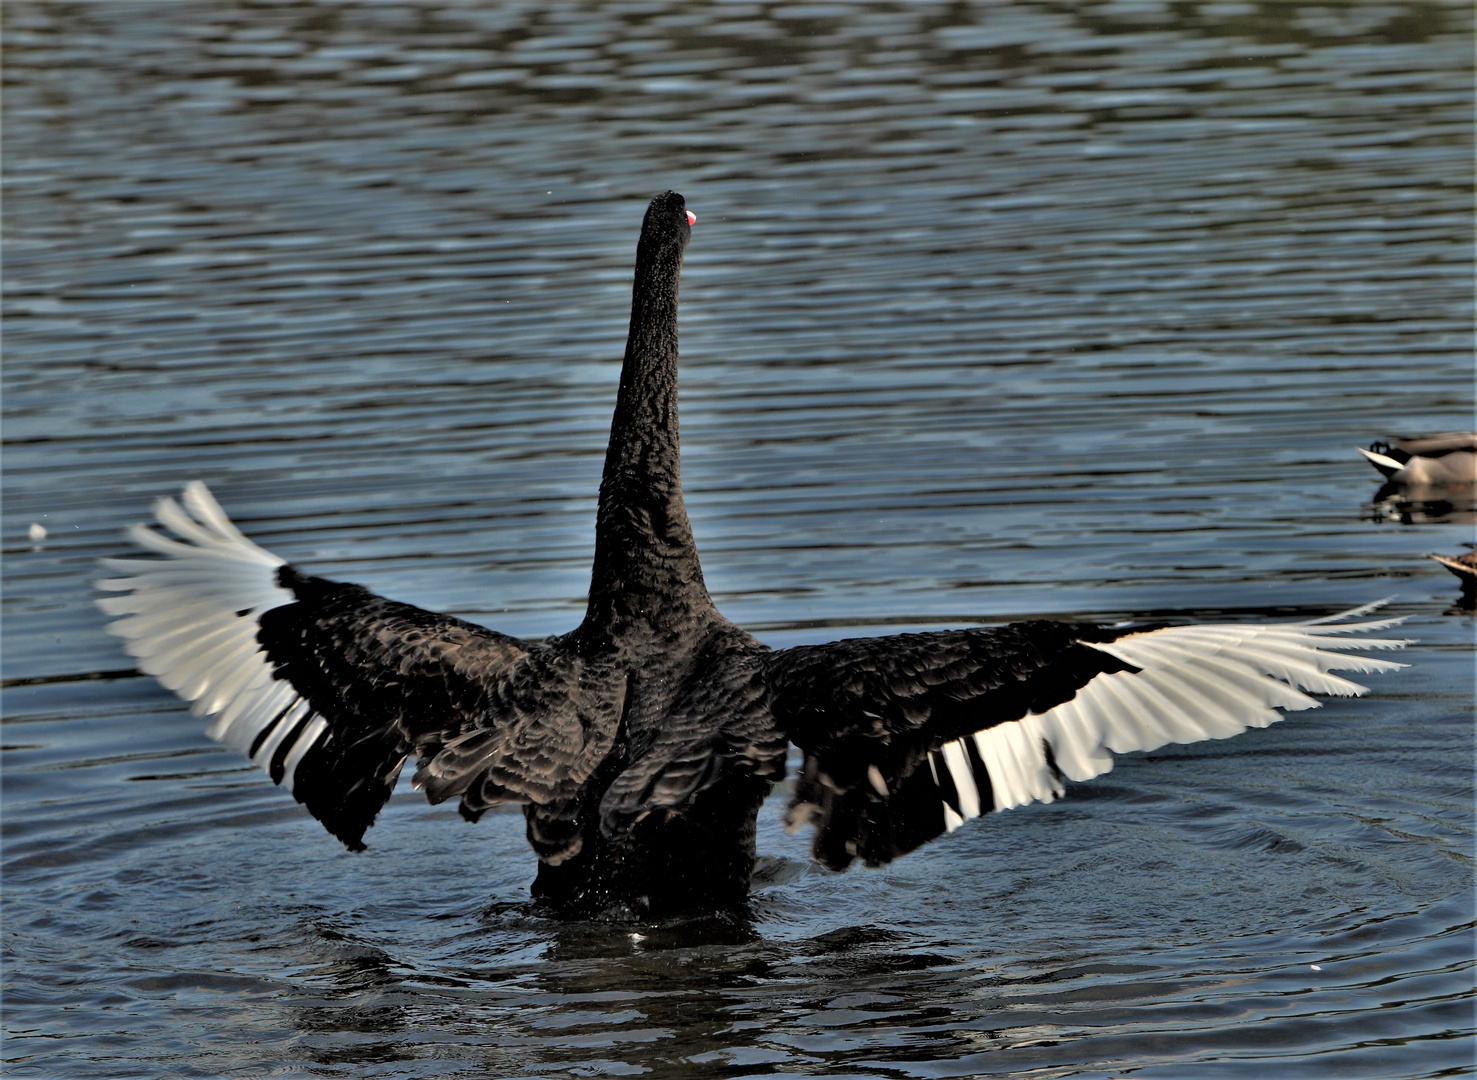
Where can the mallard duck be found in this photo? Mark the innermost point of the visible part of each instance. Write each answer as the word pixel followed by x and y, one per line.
pixel 1449 458
pixel 1465 568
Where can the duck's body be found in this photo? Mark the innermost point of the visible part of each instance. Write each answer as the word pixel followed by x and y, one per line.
pixel 642 743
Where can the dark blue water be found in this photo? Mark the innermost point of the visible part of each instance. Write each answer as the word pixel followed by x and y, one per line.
pixel 991 311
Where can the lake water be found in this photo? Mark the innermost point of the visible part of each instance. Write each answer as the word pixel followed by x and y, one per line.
pixel 991 311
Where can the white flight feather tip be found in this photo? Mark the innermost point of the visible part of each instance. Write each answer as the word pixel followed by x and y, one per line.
pixel 1209 681
pixel 191 620
pixel 1352 613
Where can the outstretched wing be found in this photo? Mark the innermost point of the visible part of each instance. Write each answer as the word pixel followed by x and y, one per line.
pixel 907 737
pixel 325 685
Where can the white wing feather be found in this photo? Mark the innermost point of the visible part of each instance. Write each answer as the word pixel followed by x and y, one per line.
pixel 191 619
pixel 1193 682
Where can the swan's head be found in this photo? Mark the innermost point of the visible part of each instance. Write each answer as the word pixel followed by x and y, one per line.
pixel 666 229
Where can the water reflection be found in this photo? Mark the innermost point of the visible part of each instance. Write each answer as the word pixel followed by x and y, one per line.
pixel 662 999
pixel 856 996
pixel 1425 504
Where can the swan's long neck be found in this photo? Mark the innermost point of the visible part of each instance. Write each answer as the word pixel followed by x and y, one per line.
pixel 646 564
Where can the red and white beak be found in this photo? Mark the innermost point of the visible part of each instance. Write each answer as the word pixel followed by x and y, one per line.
pixel 691 218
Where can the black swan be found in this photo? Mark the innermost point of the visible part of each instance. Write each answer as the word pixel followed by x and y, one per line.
pixel 642 743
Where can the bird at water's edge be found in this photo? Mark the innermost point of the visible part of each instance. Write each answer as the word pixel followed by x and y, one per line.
pixel 642 743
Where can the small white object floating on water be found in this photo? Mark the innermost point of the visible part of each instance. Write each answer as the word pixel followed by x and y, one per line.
pixel 37 532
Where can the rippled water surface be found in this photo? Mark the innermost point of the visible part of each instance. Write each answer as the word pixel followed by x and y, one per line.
pixel 992 311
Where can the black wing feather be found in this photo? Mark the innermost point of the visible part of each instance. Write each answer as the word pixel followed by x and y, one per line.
pixel 870 714
pixel 390 679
